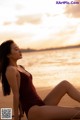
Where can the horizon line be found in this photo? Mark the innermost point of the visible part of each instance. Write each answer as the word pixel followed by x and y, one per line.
pixel 51 48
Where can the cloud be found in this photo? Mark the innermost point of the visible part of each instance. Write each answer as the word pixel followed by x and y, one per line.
pixel 27 11
pixel 19 38
pixel 73 10
pixel 34 19
pixel 7 23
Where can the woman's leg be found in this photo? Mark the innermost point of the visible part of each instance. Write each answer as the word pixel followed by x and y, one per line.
pixel 59 91
pixel 52 113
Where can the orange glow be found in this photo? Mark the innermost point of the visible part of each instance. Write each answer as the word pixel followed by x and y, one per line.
pixel 37 24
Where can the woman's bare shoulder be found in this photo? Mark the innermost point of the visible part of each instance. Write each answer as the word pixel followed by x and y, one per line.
pixel 11 70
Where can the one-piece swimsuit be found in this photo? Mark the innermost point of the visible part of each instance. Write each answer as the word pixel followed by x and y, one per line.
pixel 28 95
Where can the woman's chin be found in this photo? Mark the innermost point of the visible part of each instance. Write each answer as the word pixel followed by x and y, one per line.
pixel 20 57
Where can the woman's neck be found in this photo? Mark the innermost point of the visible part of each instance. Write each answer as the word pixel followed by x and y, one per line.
pixel 13 63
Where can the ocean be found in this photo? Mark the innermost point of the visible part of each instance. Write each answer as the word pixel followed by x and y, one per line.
pixel 51 67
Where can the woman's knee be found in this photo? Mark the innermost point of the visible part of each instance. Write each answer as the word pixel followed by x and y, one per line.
pixel 65 84
pixel 34 113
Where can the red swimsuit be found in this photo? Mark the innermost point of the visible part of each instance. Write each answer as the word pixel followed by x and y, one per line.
pixel 28 94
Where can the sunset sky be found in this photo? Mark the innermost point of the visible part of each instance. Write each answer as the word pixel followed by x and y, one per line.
pixel 39 23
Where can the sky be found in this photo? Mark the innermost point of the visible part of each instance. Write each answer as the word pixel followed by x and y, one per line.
pixel 40 24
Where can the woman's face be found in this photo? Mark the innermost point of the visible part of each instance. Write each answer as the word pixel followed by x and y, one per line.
pixel 15 52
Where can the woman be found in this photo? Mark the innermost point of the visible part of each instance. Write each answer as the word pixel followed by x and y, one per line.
pixel 16 78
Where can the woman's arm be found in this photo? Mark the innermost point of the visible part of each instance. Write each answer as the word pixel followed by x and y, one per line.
pixel 15 106
pixel 12 79
pixel 20 110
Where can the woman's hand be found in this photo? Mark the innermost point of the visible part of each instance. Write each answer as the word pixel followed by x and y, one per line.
pixel 20 116
pixel 16 118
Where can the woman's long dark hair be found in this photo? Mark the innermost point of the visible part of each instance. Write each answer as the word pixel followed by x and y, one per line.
pixel 5 50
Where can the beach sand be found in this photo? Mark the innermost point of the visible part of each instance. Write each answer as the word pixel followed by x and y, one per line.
pixel 6 102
